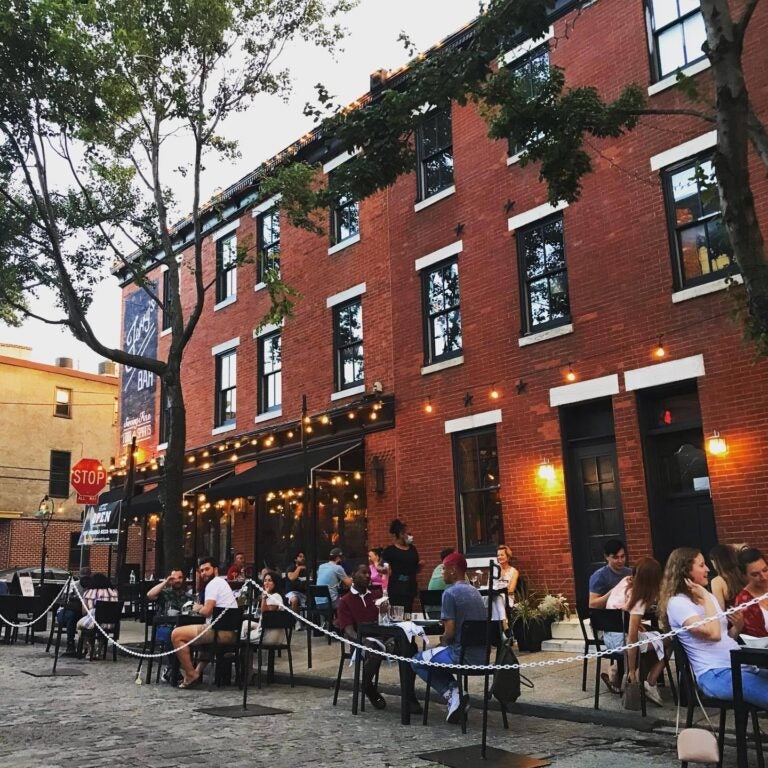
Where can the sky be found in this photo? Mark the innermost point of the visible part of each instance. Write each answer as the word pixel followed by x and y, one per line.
pixel 269 126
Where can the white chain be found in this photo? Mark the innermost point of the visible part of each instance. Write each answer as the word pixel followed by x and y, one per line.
pixel 525 665
pixel 34 621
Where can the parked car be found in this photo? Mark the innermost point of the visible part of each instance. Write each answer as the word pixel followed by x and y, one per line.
pixel 52 575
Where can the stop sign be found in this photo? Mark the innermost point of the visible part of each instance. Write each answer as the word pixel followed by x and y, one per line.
pixel 88 478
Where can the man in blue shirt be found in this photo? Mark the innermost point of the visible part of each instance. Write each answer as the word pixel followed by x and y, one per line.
pixel 332 575
pixel 461 602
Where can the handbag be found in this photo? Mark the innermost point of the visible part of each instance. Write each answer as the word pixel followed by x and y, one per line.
pixel 631 697
pixel 696 745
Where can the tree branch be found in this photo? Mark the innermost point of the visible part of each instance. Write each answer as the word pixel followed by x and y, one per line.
pixel 746 17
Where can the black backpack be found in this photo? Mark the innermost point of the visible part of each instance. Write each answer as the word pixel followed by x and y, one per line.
pixel 507 682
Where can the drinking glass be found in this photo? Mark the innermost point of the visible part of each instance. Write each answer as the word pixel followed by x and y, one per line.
pixel 397 612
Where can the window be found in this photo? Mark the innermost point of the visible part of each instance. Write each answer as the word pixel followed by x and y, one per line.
pixel 345 218
pixel 268 234
pixel 434 150
pixel 270 372
pixel 544 278
pixel 678 34
pixel 226 389
pixel 63 406
pixel 226 268
pixel 701 247
pixel 476 473
pixel 78 556
pixel 165 415
pixel 532 70
pixel 442 311
pixel 348 344
pixel 58 476
pixel 166 311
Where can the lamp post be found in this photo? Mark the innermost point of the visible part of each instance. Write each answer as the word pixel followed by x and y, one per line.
pixel 45 510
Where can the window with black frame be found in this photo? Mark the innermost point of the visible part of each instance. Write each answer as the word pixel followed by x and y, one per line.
pixel 478 490
pixel 543 275
pixel 442 311
pixel 226 268
pixel 58 474
pixel 678 34
pixel 166 309
pixel 434 149
pixel 345 217
pixel 700 243
pixel 531 71
pixel 270 372
pixel 348 344
pixel 268 241
pixel 226 389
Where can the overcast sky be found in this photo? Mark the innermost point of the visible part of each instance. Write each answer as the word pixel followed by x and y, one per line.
pixel 270 125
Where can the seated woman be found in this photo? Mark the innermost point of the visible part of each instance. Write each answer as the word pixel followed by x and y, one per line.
pixel 99 588
pixel 685 601
pixel 507 582
pixel 271 600
pixel 753 566
pixel 378 570
pixel 730 579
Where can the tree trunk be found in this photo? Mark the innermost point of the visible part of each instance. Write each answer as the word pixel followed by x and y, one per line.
pixel 172 493
pixel 724 40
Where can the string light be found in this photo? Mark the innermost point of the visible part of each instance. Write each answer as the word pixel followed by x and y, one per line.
pixel 324 419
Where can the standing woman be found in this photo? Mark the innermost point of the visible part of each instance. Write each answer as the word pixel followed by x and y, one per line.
pixel 403 561
pixel 729 580
pixel 685 601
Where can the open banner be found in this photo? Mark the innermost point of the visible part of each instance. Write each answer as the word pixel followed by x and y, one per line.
pixel 101 524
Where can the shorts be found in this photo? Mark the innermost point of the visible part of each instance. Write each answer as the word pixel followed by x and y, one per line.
pixel 300 595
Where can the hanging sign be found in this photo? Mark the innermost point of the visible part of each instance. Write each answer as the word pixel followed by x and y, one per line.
pixel 101 524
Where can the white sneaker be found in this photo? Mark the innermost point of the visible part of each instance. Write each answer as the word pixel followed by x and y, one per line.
pixel 454 706
pixel 652 692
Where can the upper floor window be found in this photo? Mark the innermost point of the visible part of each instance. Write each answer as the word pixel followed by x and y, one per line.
pixel 701 246
pixel 434 150
pixel 531 71
pixel 348 344
pixel 268 236
pixel 226 389
pixel 270 372
pixel 543 275
pixel 226 268
pixel 678 34
pixel 63 405
pixel 58 475
pixel 345 218
pixel 442 311
pixel 166 309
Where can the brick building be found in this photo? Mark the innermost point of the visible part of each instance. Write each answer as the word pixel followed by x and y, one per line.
pixel 481 364
pixel 52 416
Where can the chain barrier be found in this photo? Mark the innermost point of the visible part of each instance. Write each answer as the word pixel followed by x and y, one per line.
pixel 25 625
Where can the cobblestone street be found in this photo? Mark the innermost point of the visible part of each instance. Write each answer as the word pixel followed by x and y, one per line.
pixel 105 719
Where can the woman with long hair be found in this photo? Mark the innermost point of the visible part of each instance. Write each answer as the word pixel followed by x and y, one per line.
pixel 729 580
pixel 685 601
pixel 271 600
pixel 378 568
pixel 642 593
pixel 403 561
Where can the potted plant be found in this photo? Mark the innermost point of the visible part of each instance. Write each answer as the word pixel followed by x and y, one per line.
pixel 532 616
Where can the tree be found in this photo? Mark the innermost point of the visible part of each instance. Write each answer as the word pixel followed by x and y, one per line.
pixel 95 90
pixel 555 125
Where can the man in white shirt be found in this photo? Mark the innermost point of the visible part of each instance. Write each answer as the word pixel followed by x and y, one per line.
pixel 218 594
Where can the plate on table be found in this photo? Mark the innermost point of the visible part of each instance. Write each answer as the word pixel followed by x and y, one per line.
pixel 755 642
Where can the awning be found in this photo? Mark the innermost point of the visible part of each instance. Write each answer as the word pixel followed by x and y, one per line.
pixel 150 501
pixel 279 473
pixel 113 494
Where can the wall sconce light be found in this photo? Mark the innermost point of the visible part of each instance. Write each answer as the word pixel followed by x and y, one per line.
pixel 494 394
pixel 378 474
pixel 716 445
pixel 428 407
pixel 570 375
pixel 660 352
pixel 546 471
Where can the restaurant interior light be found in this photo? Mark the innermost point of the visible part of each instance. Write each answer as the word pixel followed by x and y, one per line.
pixel 717 445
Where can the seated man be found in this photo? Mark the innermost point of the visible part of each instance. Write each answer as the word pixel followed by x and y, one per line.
pixel 461 602
pixel 436 579
pixel 217 594
pixel 358 607
pixel 237 571
pixel 171 595
pixel 332 575
pixel 296 574
pixel 752 564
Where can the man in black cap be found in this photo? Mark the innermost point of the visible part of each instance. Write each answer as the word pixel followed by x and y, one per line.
pixel 332 575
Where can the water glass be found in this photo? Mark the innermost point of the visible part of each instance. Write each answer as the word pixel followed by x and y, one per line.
pixel 397 612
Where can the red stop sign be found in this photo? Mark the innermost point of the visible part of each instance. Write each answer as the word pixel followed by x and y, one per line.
pixel 88 477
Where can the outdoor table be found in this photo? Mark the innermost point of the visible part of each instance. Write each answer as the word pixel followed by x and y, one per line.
pixel 168 621
pixel 757 657
pixel 403 647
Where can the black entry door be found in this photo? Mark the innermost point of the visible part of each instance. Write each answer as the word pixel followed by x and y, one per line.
pixel 594 507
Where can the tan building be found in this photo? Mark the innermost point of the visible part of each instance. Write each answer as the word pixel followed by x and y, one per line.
pixel 51 416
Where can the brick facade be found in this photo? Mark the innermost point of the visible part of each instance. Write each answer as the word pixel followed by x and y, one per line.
pixel 620 284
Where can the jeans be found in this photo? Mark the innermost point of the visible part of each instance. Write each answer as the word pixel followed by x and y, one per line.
pixel 442 679
pixel 68 618
pixel 718 683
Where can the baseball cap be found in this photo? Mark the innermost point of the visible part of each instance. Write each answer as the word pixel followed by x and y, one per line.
pixel 456 559
pixel 336 552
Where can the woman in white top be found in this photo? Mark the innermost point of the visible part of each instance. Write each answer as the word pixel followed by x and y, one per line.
pixel 271 600
pixel 507 583
pixel 686 601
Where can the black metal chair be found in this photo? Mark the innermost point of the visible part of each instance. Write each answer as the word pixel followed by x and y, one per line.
pixel 318 612
pixel 274 620
pixel 107 614
pixel 582 611
pixel 608 620
pixel 431 602
pixel 231 621
pixel 688 691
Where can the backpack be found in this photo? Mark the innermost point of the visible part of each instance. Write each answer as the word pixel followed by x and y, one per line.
pixel 507 682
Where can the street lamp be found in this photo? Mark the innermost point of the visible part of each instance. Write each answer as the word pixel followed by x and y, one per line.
pixel 45 510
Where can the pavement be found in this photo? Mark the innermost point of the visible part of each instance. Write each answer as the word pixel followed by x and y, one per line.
pixel 105 719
